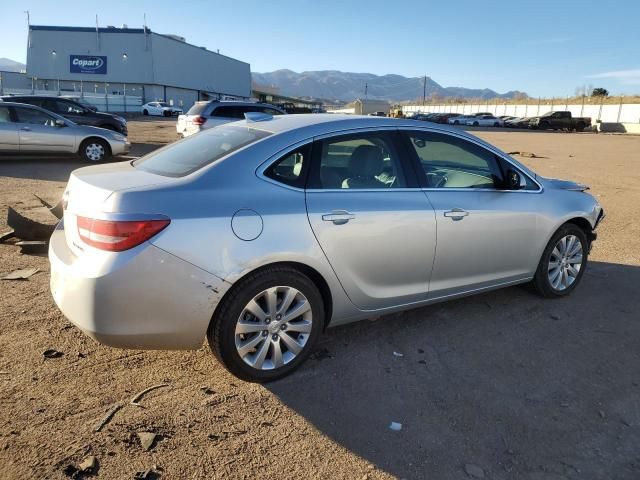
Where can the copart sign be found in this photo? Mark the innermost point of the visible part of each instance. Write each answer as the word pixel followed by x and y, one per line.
pixel 87 64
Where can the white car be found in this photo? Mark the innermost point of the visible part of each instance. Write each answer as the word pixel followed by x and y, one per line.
pixel 162 109
pixel 484 121
pixel 211 113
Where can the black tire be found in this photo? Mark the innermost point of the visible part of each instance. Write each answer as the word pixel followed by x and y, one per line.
pixel 145 112
pixel 541 281
pixel 456 122
pixel 580 127
pixel 543 125
pixel 85 152
pixel 165 113
pixel 496 124
pixel 475 124
pixel 221 332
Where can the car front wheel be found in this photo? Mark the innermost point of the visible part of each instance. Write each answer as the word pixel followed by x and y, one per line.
pixel 563 262
pixel 94 150
pixel 267 324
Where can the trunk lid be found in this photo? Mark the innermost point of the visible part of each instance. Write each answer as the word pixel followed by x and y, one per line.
pixel 89 188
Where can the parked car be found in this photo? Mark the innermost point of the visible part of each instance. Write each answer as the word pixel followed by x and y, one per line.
pixel 485 121
pixel 423 117
pixel 209 114
pixel 518 122
pixel 29 129
pixel 445 117
pixel 378 114
pixel 460 119
pixel 261 233
pixel 162 109
pixel 559 121
pixel 74 111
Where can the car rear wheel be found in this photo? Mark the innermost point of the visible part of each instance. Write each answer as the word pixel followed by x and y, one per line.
pixel 145 112
pixel 94 150
pixel 267 324
pixel 475 124
pixel 563 262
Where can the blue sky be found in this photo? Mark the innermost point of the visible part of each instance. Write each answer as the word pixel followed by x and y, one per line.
pixel 541 47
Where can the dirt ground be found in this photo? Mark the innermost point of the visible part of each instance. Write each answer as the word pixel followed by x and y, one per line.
pixel 501 385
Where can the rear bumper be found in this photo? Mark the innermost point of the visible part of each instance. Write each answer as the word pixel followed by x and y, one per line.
pixel 142 298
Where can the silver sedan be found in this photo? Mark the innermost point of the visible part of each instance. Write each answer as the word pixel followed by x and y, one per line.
pixel 30 129
pixel 260 234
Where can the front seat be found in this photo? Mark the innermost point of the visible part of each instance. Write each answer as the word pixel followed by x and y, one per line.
pixel 366 163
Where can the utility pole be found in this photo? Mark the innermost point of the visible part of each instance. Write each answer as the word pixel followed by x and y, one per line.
pixel 424 90
pixel 366 88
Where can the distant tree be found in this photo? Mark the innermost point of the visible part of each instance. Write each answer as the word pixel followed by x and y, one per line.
pixel 600 92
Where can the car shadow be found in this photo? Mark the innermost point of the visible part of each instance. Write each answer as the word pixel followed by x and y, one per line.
pixel 57 168
pixel 516 385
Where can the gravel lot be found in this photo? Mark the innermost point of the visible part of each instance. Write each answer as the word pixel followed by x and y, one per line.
pixel 500 385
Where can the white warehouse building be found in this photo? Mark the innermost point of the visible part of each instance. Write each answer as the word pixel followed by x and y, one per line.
pixel 114 63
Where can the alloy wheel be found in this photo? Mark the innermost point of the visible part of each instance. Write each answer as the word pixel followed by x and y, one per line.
pixel 565 262
pixel 273 328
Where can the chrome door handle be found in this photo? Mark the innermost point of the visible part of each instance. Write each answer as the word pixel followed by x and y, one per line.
pixel 338 217
pixel 456 214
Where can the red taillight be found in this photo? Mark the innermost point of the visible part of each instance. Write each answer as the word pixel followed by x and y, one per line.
pixel 116 236
pixel 198 120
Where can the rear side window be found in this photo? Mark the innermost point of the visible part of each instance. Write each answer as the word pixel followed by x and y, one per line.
pixel 193 153
pixel 198 108
pixel 291 168
pixel 230 112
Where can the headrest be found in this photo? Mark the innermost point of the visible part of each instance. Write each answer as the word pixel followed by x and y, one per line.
pixel 366 161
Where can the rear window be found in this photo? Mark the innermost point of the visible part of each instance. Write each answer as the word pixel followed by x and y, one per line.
pixel 193 153
pixel 197 108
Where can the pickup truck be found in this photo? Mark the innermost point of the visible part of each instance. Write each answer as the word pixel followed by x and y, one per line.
pixel 560 120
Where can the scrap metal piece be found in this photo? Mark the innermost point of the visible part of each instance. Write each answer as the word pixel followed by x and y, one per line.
pixel 21 274
pixel 7 235
pixel 33 246
pixel 26 228
pixel 56 210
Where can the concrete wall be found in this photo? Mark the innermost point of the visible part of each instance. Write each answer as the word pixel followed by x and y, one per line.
pixel 621 113
pixel 135 57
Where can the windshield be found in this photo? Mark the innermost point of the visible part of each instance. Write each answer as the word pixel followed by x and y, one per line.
pixel 193 153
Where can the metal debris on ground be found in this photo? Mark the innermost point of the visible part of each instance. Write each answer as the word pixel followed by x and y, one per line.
pixel 146 439
pixel 33 246
pixel 526 154
pixel 112 411
pixel 21 274
pixel 137 397
pixel 56 210
pixel 474 470
pixel 52 353
pixel 27 229
pixel 7 235
pixel 395 426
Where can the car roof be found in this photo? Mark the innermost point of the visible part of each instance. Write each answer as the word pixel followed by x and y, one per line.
pixel 314 124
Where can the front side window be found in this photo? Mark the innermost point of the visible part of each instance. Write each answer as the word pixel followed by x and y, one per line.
pixel 5 115
pixel 289 169
pixel 33 116
pixel 360 161
pixel 193 153
pixel 68 107
pixel 451 162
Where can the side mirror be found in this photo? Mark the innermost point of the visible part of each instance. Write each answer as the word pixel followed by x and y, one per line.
pixel 515 181
pixel 60 123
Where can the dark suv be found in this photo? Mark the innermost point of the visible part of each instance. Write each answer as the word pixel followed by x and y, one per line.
pixel 73 110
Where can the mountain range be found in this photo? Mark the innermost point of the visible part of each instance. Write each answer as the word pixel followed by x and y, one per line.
pixel 8 65
pixel 347 86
